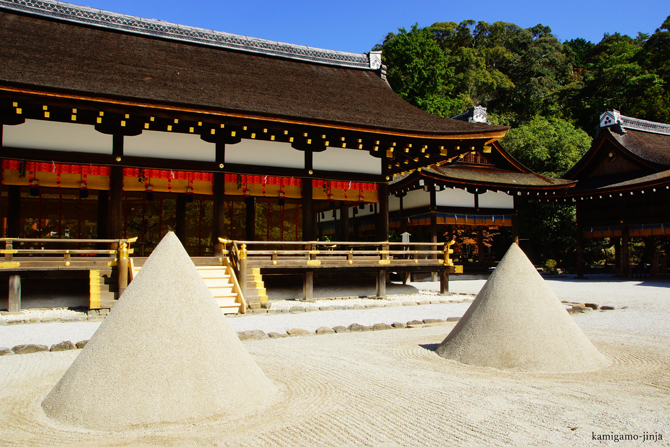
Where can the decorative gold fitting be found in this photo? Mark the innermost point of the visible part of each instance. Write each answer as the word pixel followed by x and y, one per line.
pixel 123 251
pixel 416 261
pixel 313 252
pixel 9 265
pixel 8 252
pixel 351 262
pixel 274 262
pixel 313 262
pixel 67 263
pixel 220 260
pixel 384 261
pixel 243 251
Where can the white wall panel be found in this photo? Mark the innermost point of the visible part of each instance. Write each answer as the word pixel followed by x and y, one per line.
pixel 455 197
pixel 55 136
pixel 498 199
pixel 416 199
pixel 176 146
pixel 394 203
pixel 347 160
pixel 265 153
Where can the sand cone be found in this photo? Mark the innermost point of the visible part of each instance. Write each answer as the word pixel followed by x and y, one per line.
pixel 165 353
pixel 517 322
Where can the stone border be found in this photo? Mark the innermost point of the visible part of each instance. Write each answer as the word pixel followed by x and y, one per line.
pixel 258 334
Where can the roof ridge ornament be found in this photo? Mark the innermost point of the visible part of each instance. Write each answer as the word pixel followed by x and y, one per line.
pixel 166 30
pixel 475 114
pixel 613 118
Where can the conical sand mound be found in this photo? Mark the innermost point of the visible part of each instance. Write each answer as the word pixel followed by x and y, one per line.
pixel 517 322
pixel 165 353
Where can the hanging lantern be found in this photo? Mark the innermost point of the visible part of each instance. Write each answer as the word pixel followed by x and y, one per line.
pixel 83 191
pixel 331 199
pixel 189 195
pixel 247 198
pixel 150 193
pixel 282 199
pixel 34 188
pixel 361 202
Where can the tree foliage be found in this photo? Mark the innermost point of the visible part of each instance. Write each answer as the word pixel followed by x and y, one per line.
pixel 550 93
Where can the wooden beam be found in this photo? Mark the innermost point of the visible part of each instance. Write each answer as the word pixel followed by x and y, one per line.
pixel 625 253
pixel 308 286
pixel 444 281
pixel 383 216
pixel 180 230
pixel 381 283
pixel 14 293
pixel 14 211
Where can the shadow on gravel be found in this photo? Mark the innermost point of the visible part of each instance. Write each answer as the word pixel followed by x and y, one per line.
pixel 430 346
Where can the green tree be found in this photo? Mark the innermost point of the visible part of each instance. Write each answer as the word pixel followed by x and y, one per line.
pixel 420 72
pixel 550 146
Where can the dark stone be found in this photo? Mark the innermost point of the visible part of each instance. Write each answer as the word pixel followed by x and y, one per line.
pixel 6 351
pixel 296 309
pixel 380 327
pixel 606 307
pixel 297 331
pixel 340 329
pixel 29 349
pixel 276 335
pixel 326 308
pixel 398 325
pixel 355 327
pixel 81 344
pixel 62 346
pixel 432 321
pixel 325 330
pixel 453 319
pixel 414 322
pixel 592 306
pixel 252 335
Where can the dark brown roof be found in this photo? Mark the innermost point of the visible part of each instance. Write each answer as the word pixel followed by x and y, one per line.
pixel 651 147
pixel 492 178
pixel 52 55
pixel 621 183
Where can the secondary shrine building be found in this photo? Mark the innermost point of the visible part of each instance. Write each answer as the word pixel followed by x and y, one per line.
pixel 114 126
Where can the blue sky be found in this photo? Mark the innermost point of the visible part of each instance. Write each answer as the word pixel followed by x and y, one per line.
pixel 356 26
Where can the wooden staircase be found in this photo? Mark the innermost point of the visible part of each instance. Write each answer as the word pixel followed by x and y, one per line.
pixel 222 284
pixel 256 292
pixel 103 288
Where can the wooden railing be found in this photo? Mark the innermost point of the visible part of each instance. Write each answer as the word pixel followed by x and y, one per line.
pixel 66 254
pixel 380 256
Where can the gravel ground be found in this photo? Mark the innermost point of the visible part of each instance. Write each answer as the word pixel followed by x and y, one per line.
pixel 641 306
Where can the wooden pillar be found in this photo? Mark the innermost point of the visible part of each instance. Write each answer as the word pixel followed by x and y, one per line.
pixel 250 218
pixel 616 241
pixel 219 201
pixel 103 214
pixel 433 226
pixel 383 216
pixel 515 229
pixel 115 213
pixel 444 281
pixel 403 220
pixel 580 251
pixel 180 224
pixel 308 286
pixel 14 293
pixel 308 221
pixel 625 255
pixel 344 222
pixel 14 210
pixel 381 283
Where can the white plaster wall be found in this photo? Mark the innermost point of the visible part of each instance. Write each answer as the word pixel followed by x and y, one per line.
pixel 394 203
pixel 498 199
pixel 265 153
pixel 176 146
pixel 455 197
pixel 55 136
pixel 416 199
pixel 347 160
